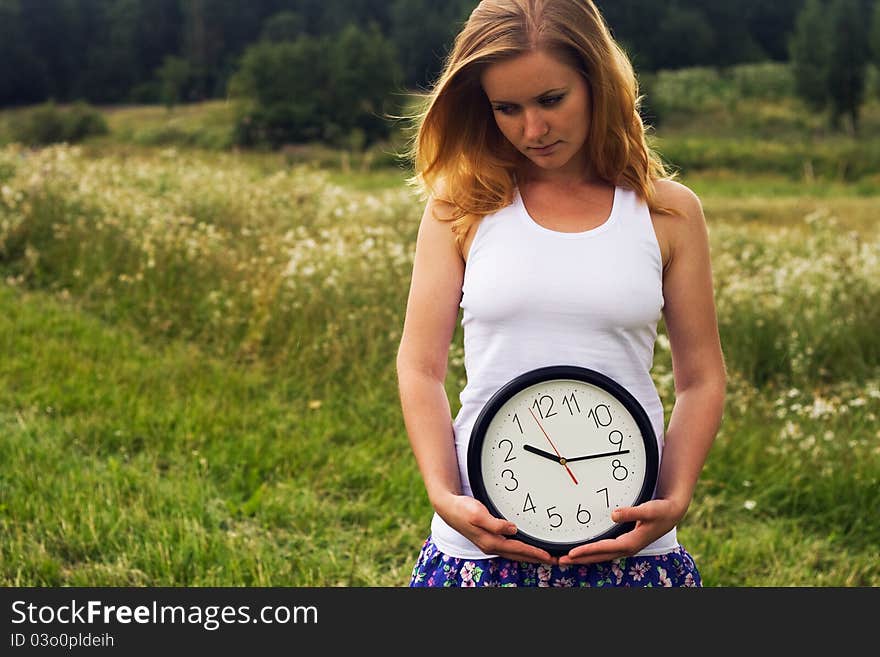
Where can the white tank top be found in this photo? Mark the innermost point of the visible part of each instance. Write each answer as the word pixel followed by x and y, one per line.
pixel 534 297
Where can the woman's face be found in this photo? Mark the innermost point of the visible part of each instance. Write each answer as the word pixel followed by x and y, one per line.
pixel 542 106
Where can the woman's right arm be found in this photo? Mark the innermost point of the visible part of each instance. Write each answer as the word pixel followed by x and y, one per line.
pixel 431 316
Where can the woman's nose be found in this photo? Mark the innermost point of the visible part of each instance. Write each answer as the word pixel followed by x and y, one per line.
pixel 535 125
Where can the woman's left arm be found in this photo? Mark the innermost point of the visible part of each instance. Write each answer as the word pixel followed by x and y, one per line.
pixel 699 374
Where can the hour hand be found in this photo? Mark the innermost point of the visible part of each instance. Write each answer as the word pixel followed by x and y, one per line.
pixel 541 452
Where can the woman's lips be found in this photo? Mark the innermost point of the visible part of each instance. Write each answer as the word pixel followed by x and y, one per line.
pixel 546 150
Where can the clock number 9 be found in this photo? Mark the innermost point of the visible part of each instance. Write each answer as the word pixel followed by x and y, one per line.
pixel 618 443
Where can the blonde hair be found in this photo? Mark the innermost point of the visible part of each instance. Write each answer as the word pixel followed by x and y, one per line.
pixel 458 152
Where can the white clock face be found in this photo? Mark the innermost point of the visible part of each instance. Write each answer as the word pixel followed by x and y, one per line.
pixel 558 456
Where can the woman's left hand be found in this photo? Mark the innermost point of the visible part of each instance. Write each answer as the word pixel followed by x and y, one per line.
pixel 653 519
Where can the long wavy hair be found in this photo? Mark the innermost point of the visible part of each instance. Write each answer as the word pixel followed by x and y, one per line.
pixel 458 153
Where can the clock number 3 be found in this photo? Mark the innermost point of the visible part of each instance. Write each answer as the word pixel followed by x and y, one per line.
pixel 508 471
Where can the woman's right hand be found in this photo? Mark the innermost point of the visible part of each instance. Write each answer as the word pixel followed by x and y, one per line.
pixel 471 518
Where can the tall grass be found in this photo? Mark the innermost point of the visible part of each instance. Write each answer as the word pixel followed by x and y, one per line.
pixel 198 383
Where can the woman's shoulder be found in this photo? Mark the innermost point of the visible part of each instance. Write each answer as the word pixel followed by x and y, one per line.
pixel 683 227
pixel 444 210
pixel 438 224
pixel 677 196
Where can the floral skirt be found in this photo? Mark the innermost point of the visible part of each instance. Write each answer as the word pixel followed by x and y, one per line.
pixel 436 569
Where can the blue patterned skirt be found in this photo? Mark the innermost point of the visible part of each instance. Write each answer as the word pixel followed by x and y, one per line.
pixel 436 569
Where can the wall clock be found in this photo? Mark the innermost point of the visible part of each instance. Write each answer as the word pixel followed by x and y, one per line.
pixel 556 450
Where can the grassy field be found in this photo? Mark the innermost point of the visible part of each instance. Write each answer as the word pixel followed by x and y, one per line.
pixel 198 387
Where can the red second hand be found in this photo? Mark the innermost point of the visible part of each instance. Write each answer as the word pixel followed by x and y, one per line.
pixel 561 460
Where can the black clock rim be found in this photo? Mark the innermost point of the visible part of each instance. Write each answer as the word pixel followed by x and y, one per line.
pixel 540 375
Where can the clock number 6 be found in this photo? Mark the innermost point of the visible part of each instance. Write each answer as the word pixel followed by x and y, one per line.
pixel 581 514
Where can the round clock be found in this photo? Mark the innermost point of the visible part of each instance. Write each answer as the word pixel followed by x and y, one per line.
pixel 556 450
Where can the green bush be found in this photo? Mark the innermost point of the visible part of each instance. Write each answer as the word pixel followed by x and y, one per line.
pixel 840 159
pixel 207 137
pixel 766 80
pixel 331 89
pixel 702 89
pixel 50 124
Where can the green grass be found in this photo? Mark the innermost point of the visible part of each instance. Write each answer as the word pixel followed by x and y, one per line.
pixel 127 463
pixel 140 450
pixel 197 379
pixel 205 125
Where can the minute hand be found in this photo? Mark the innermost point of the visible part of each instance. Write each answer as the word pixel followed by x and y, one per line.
pixel 596 456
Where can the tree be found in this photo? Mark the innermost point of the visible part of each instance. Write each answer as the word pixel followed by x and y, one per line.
pixel 874 37
pixel 770 24
pixel 364 73
pixel 25 78
pixel 848 61
pixel 281 89
pixel 331 88
pixel 689 39
pixel 173 76
pixel 283 26
pixel 634 25
pixel 422 31
pixel 733 42
pixel 111 67
pixel 810 51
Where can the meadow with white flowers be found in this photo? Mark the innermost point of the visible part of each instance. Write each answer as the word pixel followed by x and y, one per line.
pixel 197 381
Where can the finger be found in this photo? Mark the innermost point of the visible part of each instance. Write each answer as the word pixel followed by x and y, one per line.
pixel 593 558
pixel 642 512
pixel 608 545
pixel 492 541
pixel 612 548
pixel 519 551
pixel 495 525
pixel 483 521
pixel 600 551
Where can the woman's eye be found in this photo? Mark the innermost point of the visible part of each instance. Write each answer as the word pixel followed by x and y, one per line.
pixel 504 109
pixel 551 100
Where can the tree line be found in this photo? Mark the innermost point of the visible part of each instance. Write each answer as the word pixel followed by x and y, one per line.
pixel 325 69
pixel 115 51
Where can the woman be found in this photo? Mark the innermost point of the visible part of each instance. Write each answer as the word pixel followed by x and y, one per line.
pixel 533 157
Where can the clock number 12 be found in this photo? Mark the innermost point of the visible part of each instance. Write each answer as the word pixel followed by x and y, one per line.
pixel 539 402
